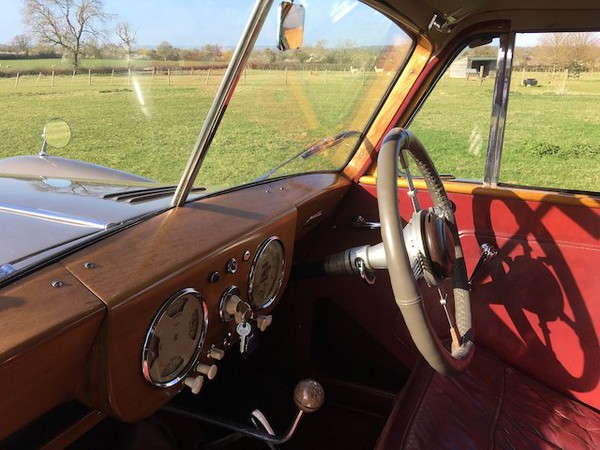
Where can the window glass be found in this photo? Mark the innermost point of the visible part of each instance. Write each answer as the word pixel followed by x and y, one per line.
pixel 134 91
pixel 319 97
pixel 552 135
pixel 454 122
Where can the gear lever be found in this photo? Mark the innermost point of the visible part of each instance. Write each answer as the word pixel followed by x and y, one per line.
pixel 309 396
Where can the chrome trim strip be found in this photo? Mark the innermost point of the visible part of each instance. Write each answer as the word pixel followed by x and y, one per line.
pixel 53 216
pixel 238 60
pixel 499 108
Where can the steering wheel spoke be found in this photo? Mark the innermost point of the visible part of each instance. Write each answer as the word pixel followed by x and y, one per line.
pixel 412 191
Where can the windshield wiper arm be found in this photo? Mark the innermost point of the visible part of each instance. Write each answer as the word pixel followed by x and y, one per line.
pixel 313 149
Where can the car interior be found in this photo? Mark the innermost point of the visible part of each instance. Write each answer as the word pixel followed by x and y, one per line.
pixel 348 309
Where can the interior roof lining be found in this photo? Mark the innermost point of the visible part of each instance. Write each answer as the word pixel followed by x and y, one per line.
pixel 537 16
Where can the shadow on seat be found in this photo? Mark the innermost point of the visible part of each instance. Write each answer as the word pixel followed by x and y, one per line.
pixel 490 406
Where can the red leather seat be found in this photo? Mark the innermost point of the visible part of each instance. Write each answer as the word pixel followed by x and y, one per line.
pixel 490 406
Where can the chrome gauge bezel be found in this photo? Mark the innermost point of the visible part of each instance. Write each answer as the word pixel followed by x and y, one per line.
pixel 277 286
pixel 184 370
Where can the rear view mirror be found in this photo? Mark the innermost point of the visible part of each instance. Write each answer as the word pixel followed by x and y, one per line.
pixel 290 29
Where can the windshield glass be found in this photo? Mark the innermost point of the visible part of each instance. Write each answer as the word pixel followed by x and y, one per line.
pixel 287 101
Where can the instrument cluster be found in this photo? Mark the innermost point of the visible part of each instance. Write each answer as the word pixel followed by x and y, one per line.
pixel 176 347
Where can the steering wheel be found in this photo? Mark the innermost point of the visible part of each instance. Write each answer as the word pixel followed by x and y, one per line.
pixel 429 248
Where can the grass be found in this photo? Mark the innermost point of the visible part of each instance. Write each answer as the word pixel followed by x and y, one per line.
pixel 552 136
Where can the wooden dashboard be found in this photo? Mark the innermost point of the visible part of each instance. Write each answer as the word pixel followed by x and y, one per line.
pixel 75 330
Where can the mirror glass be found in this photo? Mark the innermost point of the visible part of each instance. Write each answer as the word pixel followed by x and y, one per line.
pixel 291 26
pixel 57 133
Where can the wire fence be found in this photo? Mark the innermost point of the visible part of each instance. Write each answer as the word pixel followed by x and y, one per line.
pixel 183 77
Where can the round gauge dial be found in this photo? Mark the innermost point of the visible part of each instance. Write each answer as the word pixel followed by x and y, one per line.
pixel 266 273
pixel 174 338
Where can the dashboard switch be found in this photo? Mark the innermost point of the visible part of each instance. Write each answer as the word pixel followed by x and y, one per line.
pixel 264 322
pixel 237 308
pixel 216 353
pixel 194 383
pixel 209 371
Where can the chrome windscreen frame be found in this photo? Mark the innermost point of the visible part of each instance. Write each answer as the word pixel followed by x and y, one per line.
pixel 217 109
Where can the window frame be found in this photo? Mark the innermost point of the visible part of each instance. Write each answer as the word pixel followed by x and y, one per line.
pixel 492 166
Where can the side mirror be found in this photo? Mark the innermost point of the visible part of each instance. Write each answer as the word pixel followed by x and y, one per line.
pixel 290 28
pixel 57 134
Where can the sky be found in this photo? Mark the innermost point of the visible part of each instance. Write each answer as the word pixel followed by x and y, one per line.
pixel 193 23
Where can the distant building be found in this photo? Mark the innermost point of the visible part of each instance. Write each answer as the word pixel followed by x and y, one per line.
pixel 468 66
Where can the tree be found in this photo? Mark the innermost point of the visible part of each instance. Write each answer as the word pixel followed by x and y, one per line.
pixel 65 23
pixel 127 40
pixel 166 51
pixel 573 51
pixel 22 43
pixel 212 52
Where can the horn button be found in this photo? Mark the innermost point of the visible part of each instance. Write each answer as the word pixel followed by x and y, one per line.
pixel 439 245
pixel 430 246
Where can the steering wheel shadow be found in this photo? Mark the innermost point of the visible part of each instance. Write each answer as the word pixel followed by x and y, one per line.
pixel 532 310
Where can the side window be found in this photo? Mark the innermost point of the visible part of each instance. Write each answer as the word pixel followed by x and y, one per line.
pixel 454 122
pixel 552 134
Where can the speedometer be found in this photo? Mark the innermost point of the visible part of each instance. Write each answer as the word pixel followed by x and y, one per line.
pixel 174 338
pixel 266 273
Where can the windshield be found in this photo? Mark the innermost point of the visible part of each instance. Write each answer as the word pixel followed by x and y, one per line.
pixel 136 85
pixel 100 119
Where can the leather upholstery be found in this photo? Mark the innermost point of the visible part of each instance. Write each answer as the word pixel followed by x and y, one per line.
pixel 490 406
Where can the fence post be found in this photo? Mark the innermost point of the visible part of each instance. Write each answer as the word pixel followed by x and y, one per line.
pixel 152 77
pixel 207 76
pixel 38 79
pixel 73 76
pixel 128 77
pixel 364 77
pixel 112 75
pixel 169 75
pixel 52 80
pixel 89 77
pixel 522 76
pixel 17 80
pixel 480 75
pixel 564 84
pixel 286 70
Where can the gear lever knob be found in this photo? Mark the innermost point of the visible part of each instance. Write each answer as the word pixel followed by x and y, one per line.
pixel 309 395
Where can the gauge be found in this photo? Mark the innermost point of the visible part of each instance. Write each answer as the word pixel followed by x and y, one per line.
pixel 175 338
pixel 266 273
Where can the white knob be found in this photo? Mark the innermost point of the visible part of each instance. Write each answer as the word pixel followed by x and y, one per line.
pixel 209 371
pixel 194 383
pixel 264 322
pixel 216 353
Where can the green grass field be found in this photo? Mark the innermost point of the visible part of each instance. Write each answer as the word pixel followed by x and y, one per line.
pixel 147 124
